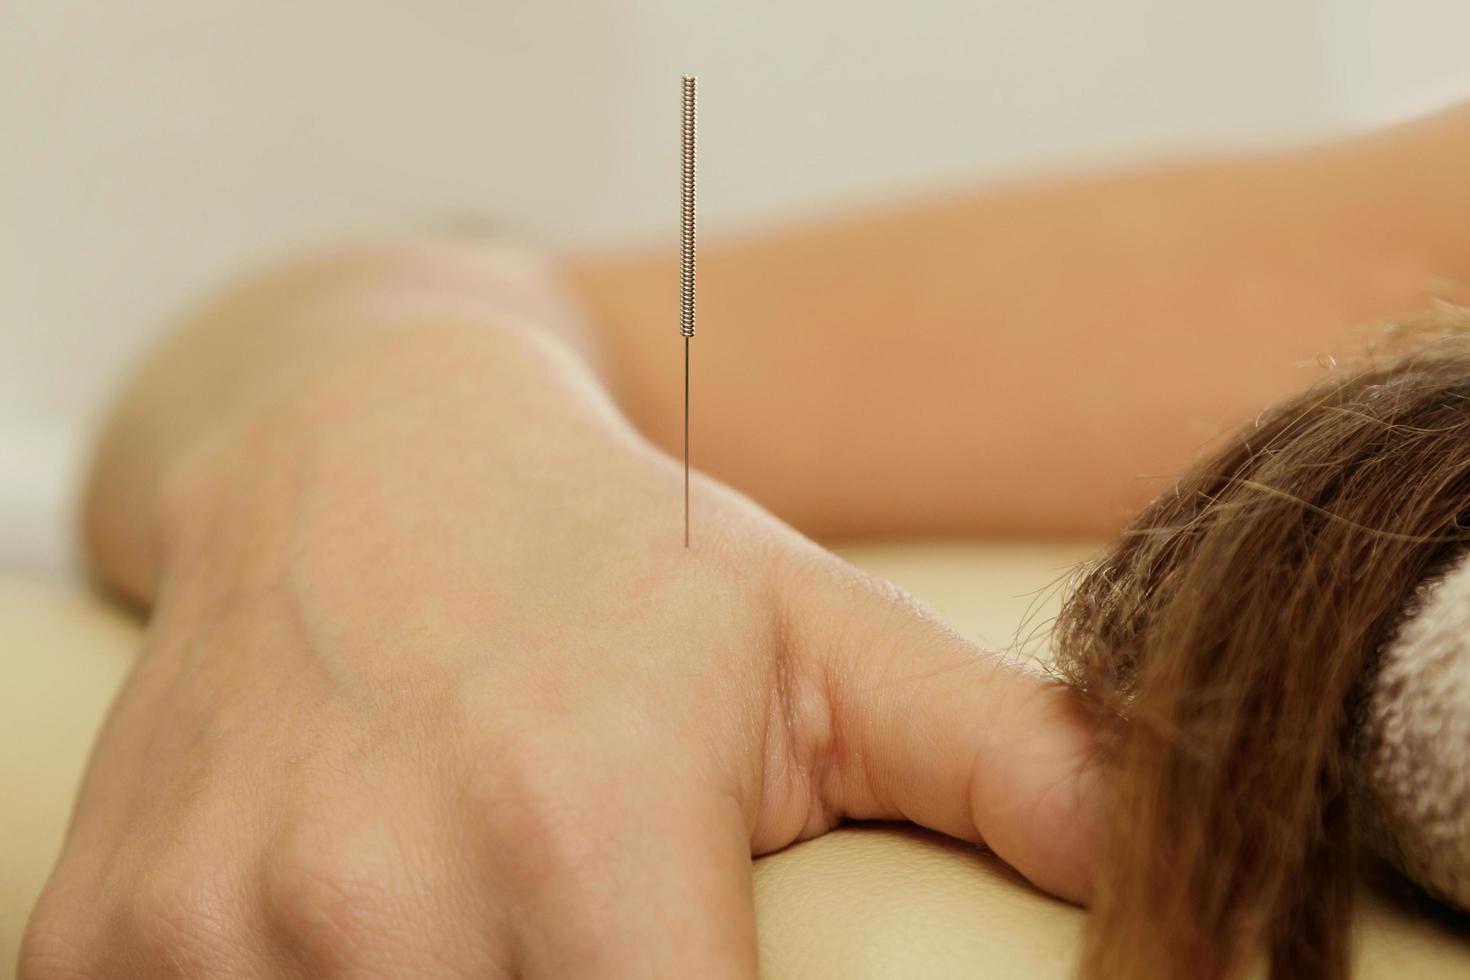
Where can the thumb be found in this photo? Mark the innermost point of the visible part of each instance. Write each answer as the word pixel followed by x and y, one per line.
pixel 926 727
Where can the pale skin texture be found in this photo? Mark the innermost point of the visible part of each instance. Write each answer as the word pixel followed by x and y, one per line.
pixel 430 686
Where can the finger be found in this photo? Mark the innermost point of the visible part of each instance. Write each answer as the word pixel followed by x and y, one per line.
pixel 662 892
pixel 928 728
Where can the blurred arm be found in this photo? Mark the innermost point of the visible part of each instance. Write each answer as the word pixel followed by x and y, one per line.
pixel 1033 360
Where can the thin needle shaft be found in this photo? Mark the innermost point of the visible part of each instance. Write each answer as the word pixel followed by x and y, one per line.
pixel 686 442
pixel 686 264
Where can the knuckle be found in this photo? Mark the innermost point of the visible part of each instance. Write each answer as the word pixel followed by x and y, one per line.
pixel 327 900
pixel 548 811
pixel 181 922
pixel 53 963
pixel 53 948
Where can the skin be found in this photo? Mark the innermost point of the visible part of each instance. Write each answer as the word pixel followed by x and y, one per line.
pixel 1034 360
pixel 430 687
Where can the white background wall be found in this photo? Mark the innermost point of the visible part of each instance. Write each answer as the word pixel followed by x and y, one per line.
pixel 148 149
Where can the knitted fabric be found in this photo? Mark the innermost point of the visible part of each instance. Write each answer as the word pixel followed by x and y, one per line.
pixel 1416 761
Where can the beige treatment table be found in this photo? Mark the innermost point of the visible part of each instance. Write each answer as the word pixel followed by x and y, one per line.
pixel 873 901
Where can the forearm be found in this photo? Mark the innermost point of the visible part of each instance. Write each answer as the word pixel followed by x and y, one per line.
pixel 1034 360
pixel 265 349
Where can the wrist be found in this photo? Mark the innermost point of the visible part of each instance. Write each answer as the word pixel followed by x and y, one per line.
pixel 427 406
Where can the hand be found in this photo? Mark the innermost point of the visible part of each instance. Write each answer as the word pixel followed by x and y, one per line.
pixel 433 689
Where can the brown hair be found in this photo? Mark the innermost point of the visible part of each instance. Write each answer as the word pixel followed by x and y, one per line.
pixel 1234 628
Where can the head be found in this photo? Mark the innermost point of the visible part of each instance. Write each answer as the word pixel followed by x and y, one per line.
pixel 1230 639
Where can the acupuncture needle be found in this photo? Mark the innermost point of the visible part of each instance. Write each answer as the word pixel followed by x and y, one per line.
pixel 686 264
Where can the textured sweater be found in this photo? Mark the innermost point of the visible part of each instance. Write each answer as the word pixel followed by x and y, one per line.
pixel 1416 753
